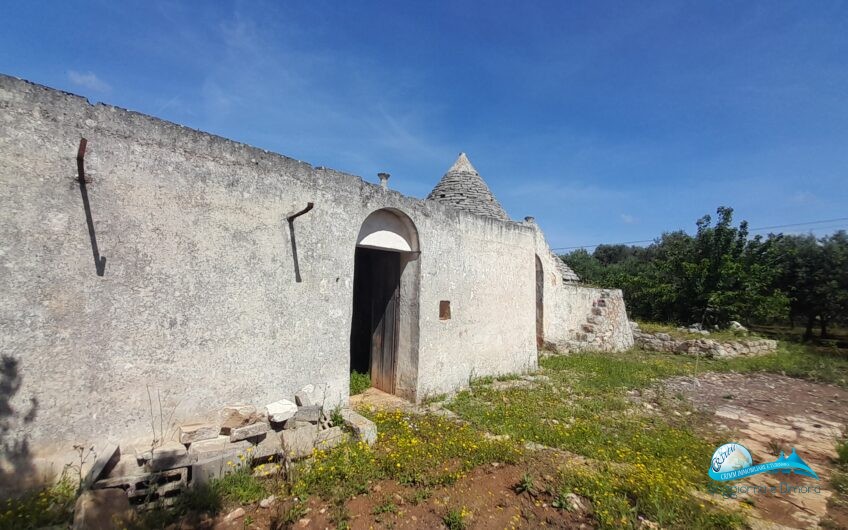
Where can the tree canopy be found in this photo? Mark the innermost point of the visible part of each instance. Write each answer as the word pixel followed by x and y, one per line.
pixel 721 274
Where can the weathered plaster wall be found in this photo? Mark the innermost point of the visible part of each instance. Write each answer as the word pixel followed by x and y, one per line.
pixel 199 299
pixel 577 317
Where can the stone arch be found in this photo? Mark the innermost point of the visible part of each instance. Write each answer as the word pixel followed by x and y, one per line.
pixel 384 324
pixel 388 229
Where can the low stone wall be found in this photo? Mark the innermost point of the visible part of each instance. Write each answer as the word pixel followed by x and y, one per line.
pixel 664 342
pixel 588 319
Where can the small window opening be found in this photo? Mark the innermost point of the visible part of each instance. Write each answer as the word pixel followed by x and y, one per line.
pixel 442 196
pixel 444 310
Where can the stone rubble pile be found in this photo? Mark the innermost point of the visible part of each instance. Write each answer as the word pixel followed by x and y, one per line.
pixel 663 342
pixel 242 436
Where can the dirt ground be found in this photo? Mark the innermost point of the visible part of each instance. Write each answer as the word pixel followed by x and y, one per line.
pixel 487 494
pixel 770 413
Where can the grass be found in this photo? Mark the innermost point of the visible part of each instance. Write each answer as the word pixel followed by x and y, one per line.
pixel 642 463
pixel 422 451
pixel 240 487
pixel 359 383
pixel 52 505
pixel 842 450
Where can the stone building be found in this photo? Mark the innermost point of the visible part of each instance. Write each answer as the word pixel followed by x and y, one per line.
pixel 153 259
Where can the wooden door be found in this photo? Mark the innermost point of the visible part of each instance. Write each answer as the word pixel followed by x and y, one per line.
pixel 540 305
pixel 385 284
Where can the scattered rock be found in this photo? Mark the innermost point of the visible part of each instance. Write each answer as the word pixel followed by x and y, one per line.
pixel 302 399
pixel 303 523
pixel 268 502
pixel 234 416
pixel 249 431
pixel 269 445
pixel 298 443
pixel 361 426
pixel 102 510
pixel 238 513
pixel 577 504
pixel 195 432
pixel 736 326
pixel 280 411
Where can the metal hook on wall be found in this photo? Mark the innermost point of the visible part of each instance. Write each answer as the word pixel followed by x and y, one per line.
pixel 290 219
pixel 99 261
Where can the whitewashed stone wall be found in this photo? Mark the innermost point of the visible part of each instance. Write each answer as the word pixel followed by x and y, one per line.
pixel 199 301
pixel 578 317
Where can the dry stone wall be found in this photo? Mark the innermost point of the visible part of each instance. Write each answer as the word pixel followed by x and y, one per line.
pixel 578 317
pixel 663 342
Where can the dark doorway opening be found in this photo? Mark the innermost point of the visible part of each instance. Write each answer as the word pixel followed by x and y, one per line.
pixel 374 326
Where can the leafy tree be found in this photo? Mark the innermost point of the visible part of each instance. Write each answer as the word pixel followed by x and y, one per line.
pixel 721 274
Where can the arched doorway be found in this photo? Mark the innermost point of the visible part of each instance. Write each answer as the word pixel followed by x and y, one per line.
pixel 540 304
pixel 384 324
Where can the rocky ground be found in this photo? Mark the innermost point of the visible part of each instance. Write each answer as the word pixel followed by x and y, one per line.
pixel 770 413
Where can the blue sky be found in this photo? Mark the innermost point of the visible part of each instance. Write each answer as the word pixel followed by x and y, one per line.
pixel 607 121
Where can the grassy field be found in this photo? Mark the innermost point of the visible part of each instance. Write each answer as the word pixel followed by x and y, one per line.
pixel 633 462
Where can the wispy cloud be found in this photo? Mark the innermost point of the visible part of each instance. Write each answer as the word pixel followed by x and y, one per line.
pixel 627 219
pixel 803 197
pixel 88 80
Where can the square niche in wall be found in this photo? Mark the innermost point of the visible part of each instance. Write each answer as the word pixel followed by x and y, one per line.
pixel 444 310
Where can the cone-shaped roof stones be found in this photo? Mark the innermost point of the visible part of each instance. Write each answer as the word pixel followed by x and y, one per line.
pixel 462 187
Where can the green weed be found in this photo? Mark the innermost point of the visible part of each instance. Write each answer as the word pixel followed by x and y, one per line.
pixel 240 487
pixel 456 519
pixel 52 505
pixel 359 383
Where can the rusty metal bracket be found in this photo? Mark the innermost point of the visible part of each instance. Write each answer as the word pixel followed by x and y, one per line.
pixel 99 261
pixel 290 219
pixel 309 206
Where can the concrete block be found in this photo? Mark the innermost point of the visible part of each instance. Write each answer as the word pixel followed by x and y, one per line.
pixel 298 443
pixel 249 431
pixel 294 423
pixel 168 456
pixel 127 466
pixel 329 438
pixel 195 432
pixel 310 413
pixel 150 487
pixel 280 411
pixel 270 445
pixel 220 446
pixel 361 426
pixel 208 469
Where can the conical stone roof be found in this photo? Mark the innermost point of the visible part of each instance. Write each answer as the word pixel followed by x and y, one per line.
pixel 463 188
